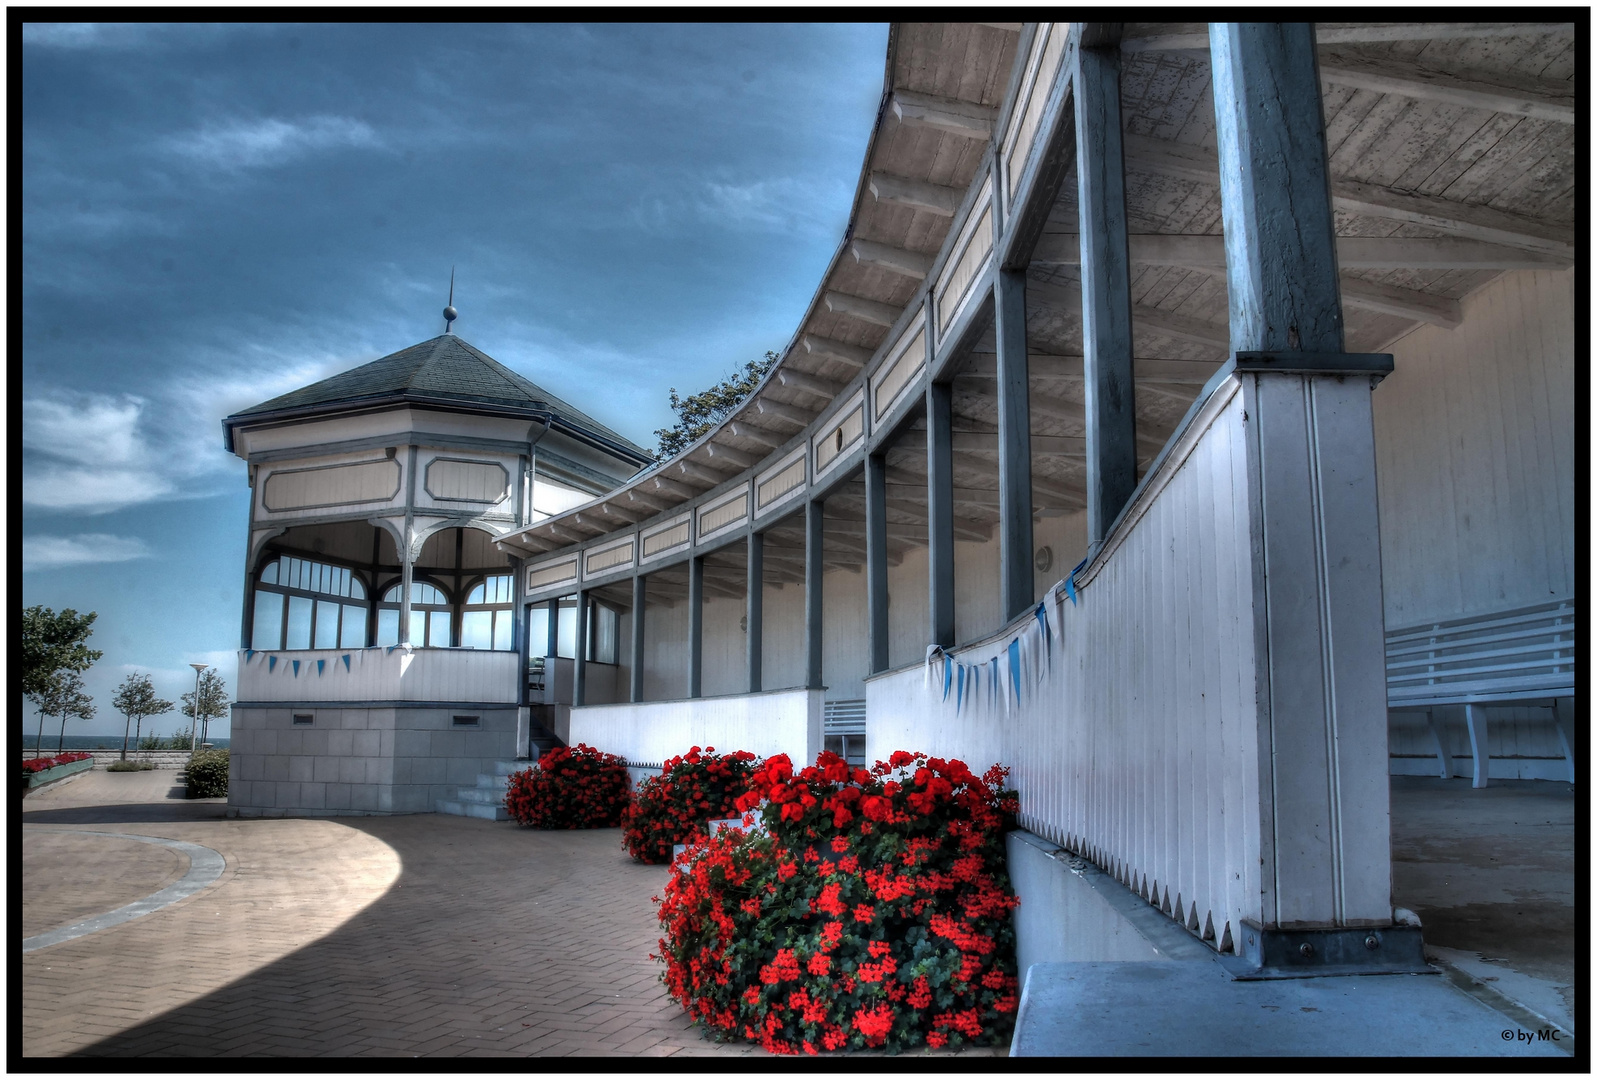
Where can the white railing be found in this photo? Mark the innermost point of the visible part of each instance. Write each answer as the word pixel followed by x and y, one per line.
pixel 776 722
pixel 1134 744
pixel 380 673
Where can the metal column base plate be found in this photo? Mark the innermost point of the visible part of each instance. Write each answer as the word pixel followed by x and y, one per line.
pixel 1304 954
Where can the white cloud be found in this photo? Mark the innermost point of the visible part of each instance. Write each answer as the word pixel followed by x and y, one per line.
pixel 239 144
pixel 88 429
pixel 49 552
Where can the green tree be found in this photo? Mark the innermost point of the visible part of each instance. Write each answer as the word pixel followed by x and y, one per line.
pixel 698 413
pixel 52 643
pixel 213 702
pixel 62 696
pixel 135 699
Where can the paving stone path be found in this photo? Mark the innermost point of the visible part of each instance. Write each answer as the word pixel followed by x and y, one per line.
pixel 421 935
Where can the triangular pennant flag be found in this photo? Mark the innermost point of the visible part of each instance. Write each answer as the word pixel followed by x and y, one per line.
pixel 346 661
pixel 296 668
pixel 321 667
pixel 1070 582
pixel 959 694
pixel 1014 666
pixel 948 674
pixel 249 654
pixel 271 662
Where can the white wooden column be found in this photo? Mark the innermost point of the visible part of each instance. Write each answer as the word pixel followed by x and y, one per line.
pixel 814 573
pixel 876 562
pixel 1323 819
pixel 640 594
pixel 579 666
pixel 940 511
pixel 754 611
pixel 407 556
pixel 695 626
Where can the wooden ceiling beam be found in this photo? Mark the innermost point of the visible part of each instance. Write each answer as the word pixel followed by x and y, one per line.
pixel 911 264
pixel 1207 252
pixel 965 119
pixel 745 430
pixel 791 413
pixel 839 351
pixel 809 384
pixel 1501 92
pixel 1406 303
pixel 936 199
pixel 862 308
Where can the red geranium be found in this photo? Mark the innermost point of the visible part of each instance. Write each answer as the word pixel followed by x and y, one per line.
pixel 872 912
pixel 570 787
pixel 39 764
pixel 672 808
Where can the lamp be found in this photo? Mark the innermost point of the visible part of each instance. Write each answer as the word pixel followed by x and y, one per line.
pixel 194 725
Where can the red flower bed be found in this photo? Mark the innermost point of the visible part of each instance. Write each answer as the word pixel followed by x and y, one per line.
pixel 39 764
pixel 570 787
pixel 874 912
pixel 672 808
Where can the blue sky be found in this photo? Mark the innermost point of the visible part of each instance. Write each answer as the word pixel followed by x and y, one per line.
pixel 214 215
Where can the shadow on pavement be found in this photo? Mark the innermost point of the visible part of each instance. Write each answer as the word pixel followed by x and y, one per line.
pixel 125 813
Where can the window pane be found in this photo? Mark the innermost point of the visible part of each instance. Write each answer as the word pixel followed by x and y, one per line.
pixel 352 634
pixel 418 627
pixel 605 639
pixel 566 643
pixel 476 594
pixel 503 625
pixel 267 633
pixel 299 623
pixel 438 629
pixel 476 630
pixel 392 595
pixel 356 589
pixel 387 626
pixel 326 624
pixel 538 631
pixel 269 574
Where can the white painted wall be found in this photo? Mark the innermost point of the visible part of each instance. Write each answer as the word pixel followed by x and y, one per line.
pixel 775 722
pixel 1475 447
pixel 401 673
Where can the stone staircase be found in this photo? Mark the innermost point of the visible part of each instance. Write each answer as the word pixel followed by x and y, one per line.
pixel 487 799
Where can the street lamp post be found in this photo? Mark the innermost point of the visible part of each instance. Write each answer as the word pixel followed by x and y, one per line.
pixel 194 724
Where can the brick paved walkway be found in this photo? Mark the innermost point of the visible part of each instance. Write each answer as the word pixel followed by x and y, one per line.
pixel 407 936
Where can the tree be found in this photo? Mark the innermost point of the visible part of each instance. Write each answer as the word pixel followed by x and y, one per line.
pixel 213 701
pixel 53 643
pixel 698 413
pixel 135 699
pixel 62 696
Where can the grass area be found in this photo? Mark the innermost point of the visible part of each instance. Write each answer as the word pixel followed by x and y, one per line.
pixel 130 766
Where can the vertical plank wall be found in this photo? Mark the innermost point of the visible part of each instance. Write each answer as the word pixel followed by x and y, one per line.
pixel 1139 750
pixel 1475 452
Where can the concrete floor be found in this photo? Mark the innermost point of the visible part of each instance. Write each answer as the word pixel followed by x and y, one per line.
pixel 1491 874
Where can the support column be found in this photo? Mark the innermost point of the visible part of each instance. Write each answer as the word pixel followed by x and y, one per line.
pixel 940 511
pixel 1105 284
pixel 876 560
pixel 695 626
pixel 552 643
pixel 640 591
pixel 406 568
pixel 579 671
pixel 1318 626
pixel 755 611
pixel 1016 586
pixel 814 572
pixel 1475 718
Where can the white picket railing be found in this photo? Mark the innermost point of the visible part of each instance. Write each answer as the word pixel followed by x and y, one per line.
pixel 1134 741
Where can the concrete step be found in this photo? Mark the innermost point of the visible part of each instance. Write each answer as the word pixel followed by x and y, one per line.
pixel 505 768
pixel 497 783
pixel 480 796
pixel 476 810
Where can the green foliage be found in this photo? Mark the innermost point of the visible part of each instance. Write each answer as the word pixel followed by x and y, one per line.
pixel 51 644
pixel 213 700
pixel 62 695
pixel 129 766
pixel 698 413
pixel 206 775
pixel 170 742
pixel 135 699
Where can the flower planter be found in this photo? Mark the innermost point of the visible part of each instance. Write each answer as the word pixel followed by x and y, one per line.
pixel 55 772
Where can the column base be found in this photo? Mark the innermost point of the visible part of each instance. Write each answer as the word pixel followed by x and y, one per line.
pixel 1305 954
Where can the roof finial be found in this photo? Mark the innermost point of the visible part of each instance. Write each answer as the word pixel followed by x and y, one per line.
pixel 450 314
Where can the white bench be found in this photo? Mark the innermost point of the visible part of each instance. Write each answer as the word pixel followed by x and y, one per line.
pixel 1520 657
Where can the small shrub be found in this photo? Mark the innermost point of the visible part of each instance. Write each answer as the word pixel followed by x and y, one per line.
pixel 873 912
pixel 206 774
pixel 570 787
pixel 672 808
pixel 168 742
pixel 130 766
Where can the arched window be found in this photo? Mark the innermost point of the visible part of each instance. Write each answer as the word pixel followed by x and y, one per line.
pixel 429 617
pixel 300 604
pixel 485 622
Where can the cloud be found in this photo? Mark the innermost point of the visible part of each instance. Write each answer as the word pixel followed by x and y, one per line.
pixel 49 552
pixel 132 35
pixel 240 144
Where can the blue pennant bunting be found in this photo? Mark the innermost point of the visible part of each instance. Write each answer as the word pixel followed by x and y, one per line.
pixel 321 667
pixel 249 654
pixel 271 663
pixel 296 668
pixel 959 696
pixel 1070 582
pixel 1014 666
pixel 948 674
pixel 345 658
